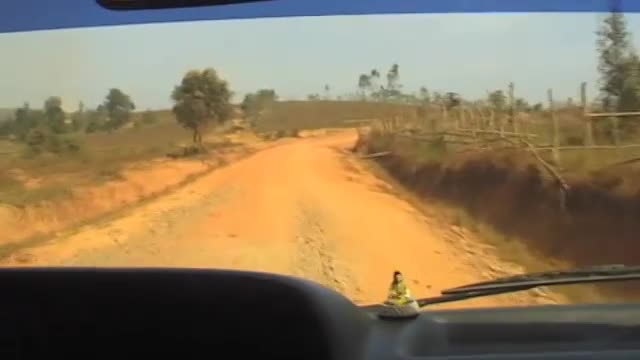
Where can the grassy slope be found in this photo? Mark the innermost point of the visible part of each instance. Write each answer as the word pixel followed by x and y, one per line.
pixel 25 179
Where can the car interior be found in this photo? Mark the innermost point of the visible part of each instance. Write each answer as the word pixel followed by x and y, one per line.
pixel 84 313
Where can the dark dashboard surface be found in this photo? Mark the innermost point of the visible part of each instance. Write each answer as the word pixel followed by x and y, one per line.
pixel 198 314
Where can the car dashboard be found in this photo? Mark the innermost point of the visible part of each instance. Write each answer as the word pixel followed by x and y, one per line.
pixel 215 314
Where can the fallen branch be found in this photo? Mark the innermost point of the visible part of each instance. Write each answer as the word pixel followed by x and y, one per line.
pixel 547 166
pixel 436 139
pixel 474 149
pixel 497 132
pixel 375 155
pixel 498 139
pixel 594 147
pixel 564 187
pixel 613 114
pixel 621 163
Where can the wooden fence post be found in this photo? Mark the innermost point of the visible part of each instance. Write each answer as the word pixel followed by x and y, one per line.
pixel 492 120
pixel 470 121
pixel 556 131
pixel 512 108
pixel 588 122
pixel 434 121
pixel 456 119
pixel 476 122
pixel 483 120
pixel 445 115
pixel 616 130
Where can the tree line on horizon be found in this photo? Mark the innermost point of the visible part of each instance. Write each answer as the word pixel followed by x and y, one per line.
pixel 203 98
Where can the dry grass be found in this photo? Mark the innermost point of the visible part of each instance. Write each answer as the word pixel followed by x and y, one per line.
pixel 26 179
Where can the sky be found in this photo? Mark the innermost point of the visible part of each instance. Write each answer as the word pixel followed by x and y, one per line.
pixel 464 53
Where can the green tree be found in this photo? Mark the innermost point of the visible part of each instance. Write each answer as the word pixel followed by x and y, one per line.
pixel 96 119
pixel 201 98
pixel 254 104
pixel 619 70
pixel 118 106
pixel 452 100
pixel 425 97
pixel 521 104
pixel 393 77
pixel 437 97
pixel 78 118
pixel 374 85
pixel 27 119
pixel 55 115
pixel 630 95
pixel 327 92
pixel 537 107
pixel 392 88
pixel 618 65
pixel 364 84
pixel 498 100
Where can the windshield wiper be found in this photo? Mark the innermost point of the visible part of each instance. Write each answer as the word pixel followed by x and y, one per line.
pixel 509 284
pixel 601 273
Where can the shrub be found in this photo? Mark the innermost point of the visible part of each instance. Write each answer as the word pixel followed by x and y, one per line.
pixel 39 141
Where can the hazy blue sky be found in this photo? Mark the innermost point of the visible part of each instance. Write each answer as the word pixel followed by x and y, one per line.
pixel 467 53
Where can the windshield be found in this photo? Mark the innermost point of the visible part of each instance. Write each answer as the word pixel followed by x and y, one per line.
pixel 452 149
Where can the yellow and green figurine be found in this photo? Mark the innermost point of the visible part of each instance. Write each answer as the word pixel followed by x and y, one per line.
pixel 399 293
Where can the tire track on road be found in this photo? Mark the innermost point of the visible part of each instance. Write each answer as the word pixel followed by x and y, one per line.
pixel 316 257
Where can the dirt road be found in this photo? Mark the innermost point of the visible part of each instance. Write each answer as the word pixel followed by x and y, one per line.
pixel 305 207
